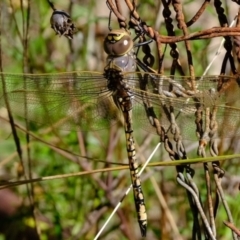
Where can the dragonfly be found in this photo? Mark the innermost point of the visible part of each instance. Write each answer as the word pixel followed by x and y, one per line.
pixel 164 105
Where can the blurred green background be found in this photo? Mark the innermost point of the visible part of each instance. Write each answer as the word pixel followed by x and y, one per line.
pixel 76 207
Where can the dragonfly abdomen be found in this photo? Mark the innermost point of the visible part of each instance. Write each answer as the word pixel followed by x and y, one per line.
pixel 136 182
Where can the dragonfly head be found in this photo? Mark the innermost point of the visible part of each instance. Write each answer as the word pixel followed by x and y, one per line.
pixel 117 43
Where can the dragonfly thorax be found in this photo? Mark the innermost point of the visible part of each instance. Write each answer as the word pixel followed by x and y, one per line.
pixel 125 63
pixel 118 43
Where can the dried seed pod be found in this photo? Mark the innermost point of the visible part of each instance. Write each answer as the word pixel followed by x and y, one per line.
pixel 62 24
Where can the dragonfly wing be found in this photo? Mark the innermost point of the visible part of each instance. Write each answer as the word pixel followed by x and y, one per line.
pixel 61 100
pixel 181 111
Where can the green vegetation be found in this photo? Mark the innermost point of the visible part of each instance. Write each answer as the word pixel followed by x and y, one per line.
pixel 76 207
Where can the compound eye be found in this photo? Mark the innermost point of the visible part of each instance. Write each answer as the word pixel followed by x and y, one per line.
pixel 118 44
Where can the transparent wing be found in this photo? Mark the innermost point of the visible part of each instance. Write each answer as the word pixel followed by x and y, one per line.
pixel 212 109
pixel 82 99
pixel 61 100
